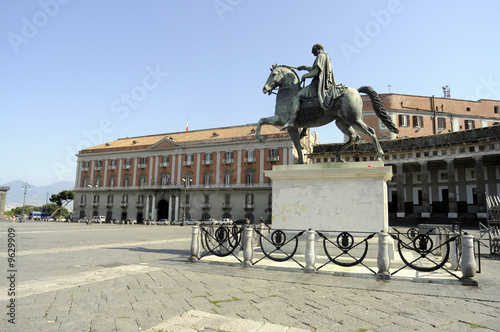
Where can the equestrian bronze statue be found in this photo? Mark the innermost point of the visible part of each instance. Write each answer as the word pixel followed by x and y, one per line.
pixel 320 103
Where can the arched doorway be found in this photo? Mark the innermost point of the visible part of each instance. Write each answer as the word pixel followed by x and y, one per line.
pixel 162 209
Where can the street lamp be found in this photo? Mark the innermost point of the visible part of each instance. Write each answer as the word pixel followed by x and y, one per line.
pixel 186 180
pixel 25 187
pixel 90 200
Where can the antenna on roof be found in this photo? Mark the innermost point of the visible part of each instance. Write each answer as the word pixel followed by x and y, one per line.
pixel 446 91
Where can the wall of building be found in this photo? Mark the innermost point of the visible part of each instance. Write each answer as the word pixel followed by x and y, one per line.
pixel 147 174
pixel 418 116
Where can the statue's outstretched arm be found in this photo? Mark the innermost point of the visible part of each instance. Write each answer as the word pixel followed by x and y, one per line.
pixel 308 68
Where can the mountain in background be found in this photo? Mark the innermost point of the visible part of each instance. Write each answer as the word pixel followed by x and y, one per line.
pixel 37 195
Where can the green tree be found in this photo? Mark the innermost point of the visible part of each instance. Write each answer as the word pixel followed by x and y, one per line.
pixel 64 197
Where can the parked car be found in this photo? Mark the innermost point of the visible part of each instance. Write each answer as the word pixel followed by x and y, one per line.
pixel 98 219
pixel 130 221
pixel 163 222
pixel 148 221
pixel 241 221
pixel 226 221
pixel 210 221
pixel 190 222
pixel 176 222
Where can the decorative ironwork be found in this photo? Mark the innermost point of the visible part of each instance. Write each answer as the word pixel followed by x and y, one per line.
pixel 339 252
pixel 422 254
pixel 221 241
pixel 278 240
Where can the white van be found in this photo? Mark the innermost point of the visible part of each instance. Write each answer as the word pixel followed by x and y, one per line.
pixel 98 219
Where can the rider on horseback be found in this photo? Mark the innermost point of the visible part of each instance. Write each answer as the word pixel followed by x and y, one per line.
pixel 322 87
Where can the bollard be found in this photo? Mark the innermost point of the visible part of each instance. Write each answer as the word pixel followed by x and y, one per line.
pixel 247 247
pixel 383 259
pixel 310 254
pixel 454 263
pixel 468 263
pixel 195 244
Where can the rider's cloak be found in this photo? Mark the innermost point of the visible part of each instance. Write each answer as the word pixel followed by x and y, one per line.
pixel 327 87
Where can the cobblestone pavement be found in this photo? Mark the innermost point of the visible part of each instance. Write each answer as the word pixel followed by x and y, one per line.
pixel 77 277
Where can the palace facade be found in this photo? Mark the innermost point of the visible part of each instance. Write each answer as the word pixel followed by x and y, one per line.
pixel 213 173
pixel 418 116
pixel 447 175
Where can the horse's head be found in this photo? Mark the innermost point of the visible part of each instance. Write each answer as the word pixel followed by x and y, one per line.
pixel 280 76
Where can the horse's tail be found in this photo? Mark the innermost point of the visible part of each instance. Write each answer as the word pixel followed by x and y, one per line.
pixel 379 108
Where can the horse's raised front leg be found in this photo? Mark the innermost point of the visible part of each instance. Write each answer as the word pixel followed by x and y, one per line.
pixel 272 120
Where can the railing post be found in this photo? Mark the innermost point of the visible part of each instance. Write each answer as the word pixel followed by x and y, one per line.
pixel 247 247
pixel 468 263
pixel 383 259
pixel 454 263
pixel 195 244
pixel 310 254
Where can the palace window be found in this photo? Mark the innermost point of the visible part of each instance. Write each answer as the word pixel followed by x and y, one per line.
pixel 469 124
pixel 189 160
pixel 208 159
pixel 250 158
pixel 418 121
pixel 228 178
pixel 165 161
pixel 228 158
pixel 441 123
pixel 250 177
pixel 207 179
pixel 404 120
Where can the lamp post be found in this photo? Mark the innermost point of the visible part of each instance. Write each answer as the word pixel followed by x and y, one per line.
pixel 186 180
pixel 90 200
pixel 26 187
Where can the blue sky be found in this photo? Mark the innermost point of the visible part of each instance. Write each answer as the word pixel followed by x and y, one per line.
pixel 80 73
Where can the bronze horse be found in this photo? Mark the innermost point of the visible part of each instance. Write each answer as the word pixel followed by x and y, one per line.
pixel 346 111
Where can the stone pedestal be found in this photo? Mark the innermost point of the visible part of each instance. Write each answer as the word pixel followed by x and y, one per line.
pixel 331 196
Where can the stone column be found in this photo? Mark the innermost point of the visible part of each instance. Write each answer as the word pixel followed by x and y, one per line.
pixel 147 209
pixel 401 191
pixel 176 207
pixel 452 189
pixel 238 166
pixel 426 211
pixel 170 207
pixel 480 188
pixel 153 208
